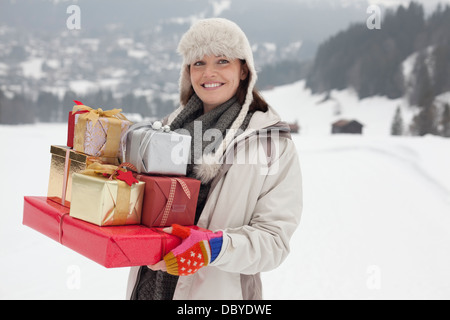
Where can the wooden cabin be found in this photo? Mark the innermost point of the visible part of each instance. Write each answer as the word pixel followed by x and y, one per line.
pixel 347 126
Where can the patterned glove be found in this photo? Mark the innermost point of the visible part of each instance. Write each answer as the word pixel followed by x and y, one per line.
pixel 198 249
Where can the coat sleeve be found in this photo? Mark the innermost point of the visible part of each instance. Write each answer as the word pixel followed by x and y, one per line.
pixel 263 243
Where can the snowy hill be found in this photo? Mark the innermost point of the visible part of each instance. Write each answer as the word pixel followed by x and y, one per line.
pixel 376 220
pixel 316 112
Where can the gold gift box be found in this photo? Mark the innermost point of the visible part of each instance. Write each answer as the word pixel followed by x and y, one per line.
pixel 65 161
pixel 106 202
pixel 102 137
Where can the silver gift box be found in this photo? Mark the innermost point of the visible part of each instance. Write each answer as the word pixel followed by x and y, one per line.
pixel 156 151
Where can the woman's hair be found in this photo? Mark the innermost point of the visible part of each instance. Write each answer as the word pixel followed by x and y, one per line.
pixel 258 103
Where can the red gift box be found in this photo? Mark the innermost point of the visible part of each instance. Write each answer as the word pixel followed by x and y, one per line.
pixel 111 247
pixel 71 125
pixel 169 200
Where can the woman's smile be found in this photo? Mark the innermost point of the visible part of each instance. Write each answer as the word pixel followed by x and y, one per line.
pixel 212 85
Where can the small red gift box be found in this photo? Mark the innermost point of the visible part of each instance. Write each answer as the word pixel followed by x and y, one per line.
pixel 169 200
pixel 71 125
pixel 111 247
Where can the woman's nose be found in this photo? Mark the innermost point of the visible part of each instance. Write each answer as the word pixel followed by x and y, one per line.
pixel 209 71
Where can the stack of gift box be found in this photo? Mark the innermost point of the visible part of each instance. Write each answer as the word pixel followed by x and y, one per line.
pixel 113 187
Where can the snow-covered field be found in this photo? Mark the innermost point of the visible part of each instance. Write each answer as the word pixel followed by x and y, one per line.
pixel 376 220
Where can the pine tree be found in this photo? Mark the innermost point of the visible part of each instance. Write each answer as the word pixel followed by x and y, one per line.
pixel 425 121
pixel 423 92
pixel 397 123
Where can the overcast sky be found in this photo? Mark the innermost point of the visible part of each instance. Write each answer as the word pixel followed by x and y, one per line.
pixel 428 4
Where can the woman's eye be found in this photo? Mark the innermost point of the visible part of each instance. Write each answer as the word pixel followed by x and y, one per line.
pixel 198 63
pixel 223 61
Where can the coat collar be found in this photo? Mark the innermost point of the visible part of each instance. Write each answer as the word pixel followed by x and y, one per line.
pixel 262 120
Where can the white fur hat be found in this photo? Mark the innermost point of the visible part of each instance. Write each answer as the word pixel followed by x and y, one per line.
pixel 219 37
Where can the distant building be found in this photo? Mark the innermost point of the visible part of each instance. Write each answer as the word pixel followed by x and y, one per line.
pixel 295 128
pixel 347 126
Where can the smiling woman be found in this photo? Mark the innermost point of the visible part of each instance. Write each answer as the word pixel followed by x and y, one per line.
pixel 216 79
pixel 249 209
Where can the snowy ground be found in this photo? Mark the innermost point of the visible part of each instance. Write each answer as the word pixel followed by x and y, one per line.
pixel 376 220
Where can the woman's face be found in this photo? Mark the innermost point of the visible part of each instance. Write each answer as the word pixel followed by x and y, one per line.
pixel 216 79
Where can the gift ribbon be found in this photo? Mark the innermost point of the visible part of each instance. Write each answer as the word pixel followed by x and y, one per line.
pixel 67 165
pixel 97 168
pixel 65 177
pixel 138 147
pixel 61 221
pixel 141 147
pixel 123 196
pixel 169 203
pixel 113 133
pixel 163 242
pixel 94 114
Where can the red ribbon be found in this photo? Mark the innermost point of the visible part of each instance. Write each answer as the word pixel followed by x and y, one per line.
pixel 78 103
pixel 163 242
pixel 61 227
pixel 169 203
pixel 124 165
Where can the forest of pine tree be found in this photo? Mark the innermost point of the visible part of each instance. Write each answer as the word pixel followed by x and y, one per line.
pixel 371 62
pixel 49 108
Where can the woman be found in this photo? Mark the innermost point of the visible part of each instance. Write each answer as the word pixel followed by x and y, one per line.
pixel 250 197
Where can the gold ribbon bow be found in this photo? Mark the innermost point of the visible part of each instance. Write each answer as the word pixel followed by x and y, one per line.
pixel 113 134
pixel 96 168
pixel 94 114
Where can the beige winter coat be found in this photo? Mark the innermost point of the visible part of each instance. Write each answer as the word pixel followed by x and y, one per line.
pixel 257 204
